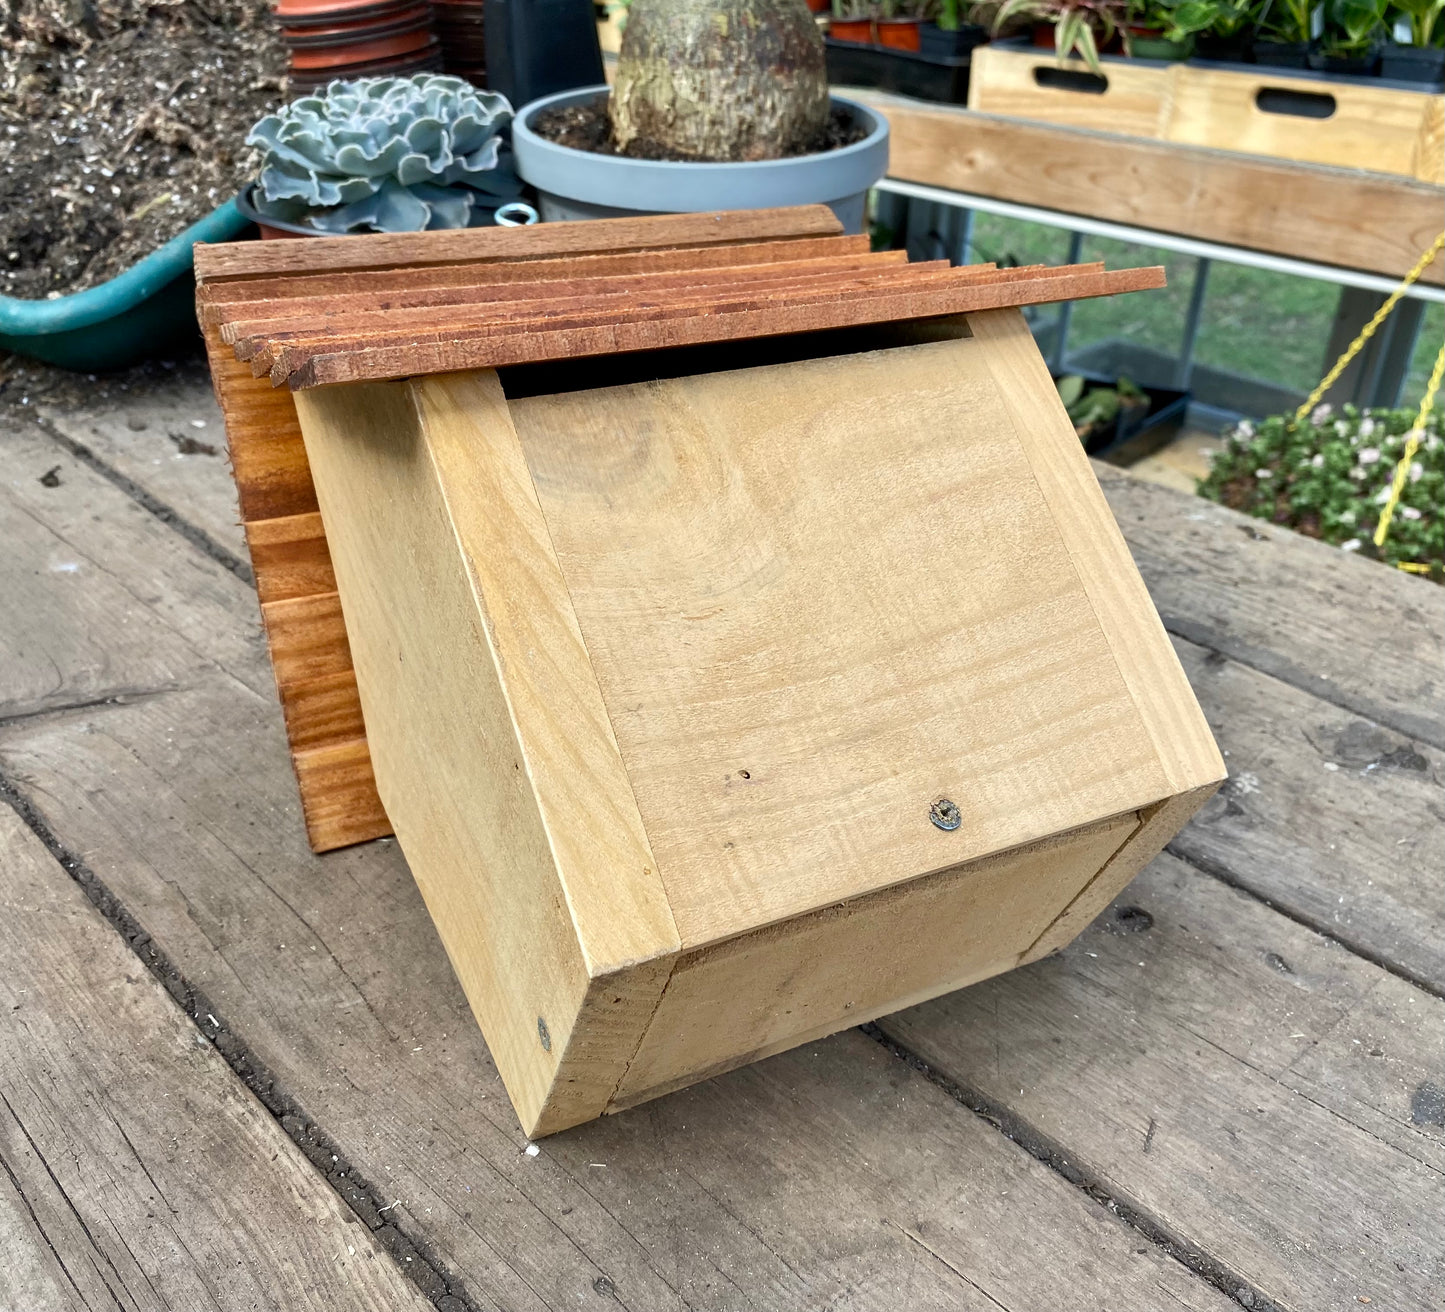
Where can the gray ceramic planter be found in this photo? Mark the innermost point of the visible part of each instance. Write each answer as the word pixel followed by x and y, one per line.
pixel 577 184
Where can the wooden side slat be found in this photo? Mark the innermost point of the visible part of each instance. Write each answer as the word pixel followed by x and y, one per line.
pixel 476 349
pixel 307 637
pixel 323 711
pixel 217 298
pixel 302 616
pixel 593 237
pixel 268 458
pixel 338 795
pixel 289 557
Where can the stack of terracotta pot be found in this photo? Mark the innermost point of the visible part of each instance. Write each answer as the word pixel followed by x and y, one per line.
pixel 357 38
pixel 464 48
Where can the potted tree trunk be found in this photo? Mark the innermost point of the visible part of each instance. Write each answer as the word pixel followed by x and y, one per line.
pixel 717 104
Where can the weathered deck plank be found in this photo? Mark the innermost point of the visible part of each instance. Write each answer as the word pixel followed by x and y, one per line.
pixel 138 1173
pixel 1364 638
pixel 1326 814
pixel 1180 1066
pixel 167 437
pixel 830 1174
pixel 101 598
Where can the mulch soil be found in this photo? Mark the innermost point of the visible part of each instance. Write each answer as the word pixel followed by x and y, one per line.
pixel 122 122
pixel 586 127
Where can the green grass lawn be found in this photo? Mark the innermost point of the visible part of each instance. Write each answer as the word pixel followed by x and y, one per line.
pixel 1271 326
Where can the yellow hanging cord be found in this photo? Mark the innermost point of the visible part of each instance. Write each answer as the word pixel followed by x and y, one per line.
pixel 1402 470
pixel 1424 262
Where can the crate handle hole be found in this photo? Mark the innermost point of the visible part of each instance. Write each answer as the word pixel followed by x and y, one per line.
pixel 1067 79
pixel 1295 104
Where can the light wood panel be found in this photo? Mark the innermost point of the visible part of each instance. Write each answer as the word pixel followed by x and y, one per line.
pixel 1146 662
pixel 807 595
pixel 137 1171
pixel 960 926
pixel 1131 98
pixel 492 750
pixel 1157 825
pixel 1346 217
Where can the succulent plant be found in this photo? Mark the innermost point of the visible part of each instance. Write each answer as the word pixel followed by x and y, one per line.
pixel 389 154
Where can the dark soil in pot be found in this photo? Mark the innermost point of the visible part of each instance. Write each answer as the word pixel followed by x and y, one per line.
pixel 587 127
pixel 119 132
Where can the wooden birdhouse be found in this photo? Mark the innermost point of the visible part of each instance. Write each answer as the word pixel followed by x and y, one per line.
pixel 723 695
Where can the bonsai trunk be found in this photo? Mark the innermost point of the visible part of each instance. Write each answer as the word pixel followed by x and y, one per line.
pixel 723 80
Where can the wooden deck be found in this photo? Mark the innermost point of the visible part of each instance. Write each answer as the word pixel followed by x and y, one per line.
pixel 234 1075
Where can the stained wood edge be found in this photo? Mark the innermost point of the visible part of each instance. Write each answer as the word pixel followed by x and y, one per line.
pixel 1160 823
pixel 1146 659
pixel 215 298
pixel 448 353
pixel 227 260
pixel 292 567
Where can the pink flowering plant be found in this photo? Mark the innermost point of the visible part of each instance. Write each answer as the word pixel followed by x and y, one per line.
pixel 1330 476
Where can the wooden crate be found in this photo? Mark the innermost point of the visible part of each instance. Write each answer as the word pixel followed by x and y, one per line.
pixel 666 684
pixel 1270 112
pixel 1312 120
pixel 1129 98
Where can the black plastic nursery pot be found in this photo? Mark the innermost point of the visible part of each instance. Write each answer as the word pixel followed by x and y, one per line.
pixel 1364 63
pixel 1224 49
pixel 1282 54
pixel 936 42
pixel 1413 63
pixel 1137 431
pixel 942 78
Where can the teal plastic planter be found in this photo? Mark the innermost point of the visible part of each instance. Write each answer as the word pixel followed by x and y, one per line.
pixel 138 313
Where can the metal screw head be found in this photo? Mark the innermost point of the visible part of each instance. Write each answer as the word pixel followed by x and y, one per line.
pixel 544 1034
pixel 945 814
